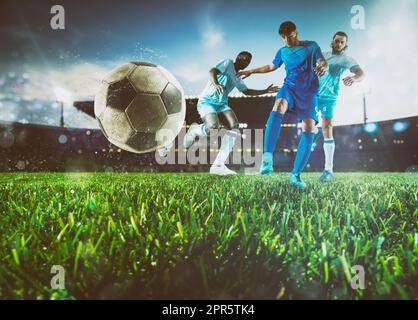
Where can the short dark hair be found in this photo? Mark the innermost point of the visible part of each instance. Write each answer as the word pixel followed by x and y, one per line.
pixel 340 33
pixel 286 28
pixel 245 54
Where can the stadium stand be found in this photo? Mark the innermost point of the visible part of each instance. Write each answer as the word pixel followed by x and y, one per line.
pixel 383 146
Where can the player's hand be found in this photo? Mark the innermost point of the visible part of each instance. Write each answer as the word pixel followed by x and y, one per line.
pixel 272 89
pixel 320 69
pixel 348 81
pixel 244 73
pixel 219 88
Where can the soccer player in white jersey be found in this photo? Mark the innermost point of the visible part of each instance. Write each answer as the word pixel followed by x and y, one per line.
pixel 329 86
pixel 214 101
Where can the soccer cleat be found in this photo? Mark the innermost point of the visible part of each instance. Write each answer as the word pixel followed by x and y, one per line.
pixel 325 176
pixel 297 181
pixel 221 169
pixel 190 136
pixel 266 164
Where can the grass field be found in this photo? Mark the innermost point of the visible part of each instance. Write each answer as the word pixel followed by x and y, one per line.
pixel 199 236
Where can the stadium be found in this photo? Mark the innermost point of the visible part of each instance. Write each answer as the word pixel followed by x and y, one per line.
pixel 82 218
pixel 366 147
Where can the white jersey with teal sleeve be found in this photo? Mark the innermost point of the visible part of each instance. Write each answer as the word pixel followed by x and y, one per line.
pixel 329 84
pixel 228 78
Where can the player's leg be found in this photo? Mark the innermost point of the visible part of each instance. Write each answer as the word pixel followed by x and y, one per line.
pixel 304 151
pixel 227 144
pixel 329 148
pixel 272 133
pixel 210 122
pixel 208 113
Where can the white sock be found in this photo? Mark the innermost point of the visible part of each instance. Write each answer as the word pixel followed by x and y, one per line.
pixel 228 142
pixel 199 130
pixel 329 148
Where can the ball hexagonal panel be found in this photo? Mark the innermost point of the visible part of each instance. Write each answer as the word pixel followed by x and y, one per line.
pixel 170 78
pixel 148 80
pixel 172 99
pixel 171 128
pixel 116 124
pixel 100 100
pixel 142 141
pixel 143 63
pixel 147 113
pixel 120 94
pixel 119 73
pixel 119 144
pixel 101 127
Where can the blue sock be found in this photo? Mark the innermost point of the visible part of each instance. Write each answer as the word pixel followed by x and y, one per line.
pixel 304 151
pixel 272 133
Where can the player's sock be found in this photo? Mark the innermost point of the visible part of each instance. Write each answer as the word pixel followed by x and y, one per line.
pixel 329 148
pixel 304 151
pixel 199 130
pixel 228 142
pixel 272 133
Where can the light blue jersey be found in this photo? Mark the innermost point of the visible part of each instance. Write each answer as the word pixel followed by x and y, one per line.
pixel 228 78
pixel 329 84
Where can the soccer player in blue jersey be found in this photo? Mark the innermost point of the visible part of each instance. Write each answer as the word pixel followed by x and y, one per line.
pixel 304 62
pixel 214 101
pixel 329 86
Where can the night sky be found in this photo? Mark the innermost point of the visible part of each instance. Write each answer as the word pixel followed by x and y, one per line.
pixel 188 37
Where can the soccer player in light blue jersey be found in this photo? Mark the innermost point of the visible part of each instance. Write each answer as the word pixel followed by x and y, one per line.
pixel 214 101
pixel 329 86
pixel 304 62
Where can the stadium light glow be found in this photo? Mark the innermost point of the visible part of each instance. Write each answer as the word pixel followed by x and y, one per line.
pixel 62 95
pixel 371 127
pixel 400 126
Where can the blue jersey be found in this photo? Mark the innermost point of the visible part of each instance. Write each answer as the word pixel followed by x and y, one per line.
pixel 329 84
pixel 299 62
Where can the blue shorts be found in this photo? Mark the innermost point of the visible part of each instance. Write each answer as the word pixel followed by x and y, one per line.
pixel 326 107
pixel 205 107
pixel 302 104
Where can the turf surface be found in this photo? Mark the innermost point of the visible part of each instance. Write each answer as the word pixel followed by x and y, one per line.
pixel 196 236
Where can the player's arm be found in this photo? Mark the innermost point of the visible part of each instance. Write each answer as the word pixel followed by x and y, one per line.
pixel 321 67
pixel 213 73
pixel 264 69
pixel 321 64
pixel 358 75
pixel 254 92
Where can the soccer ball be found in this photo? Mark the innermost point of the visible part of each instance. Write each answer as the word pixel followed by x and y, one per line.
pixel 140 107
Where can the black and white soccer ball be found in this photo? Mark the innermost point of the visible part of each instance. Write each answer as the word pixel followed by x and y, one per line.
pixel 140 107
